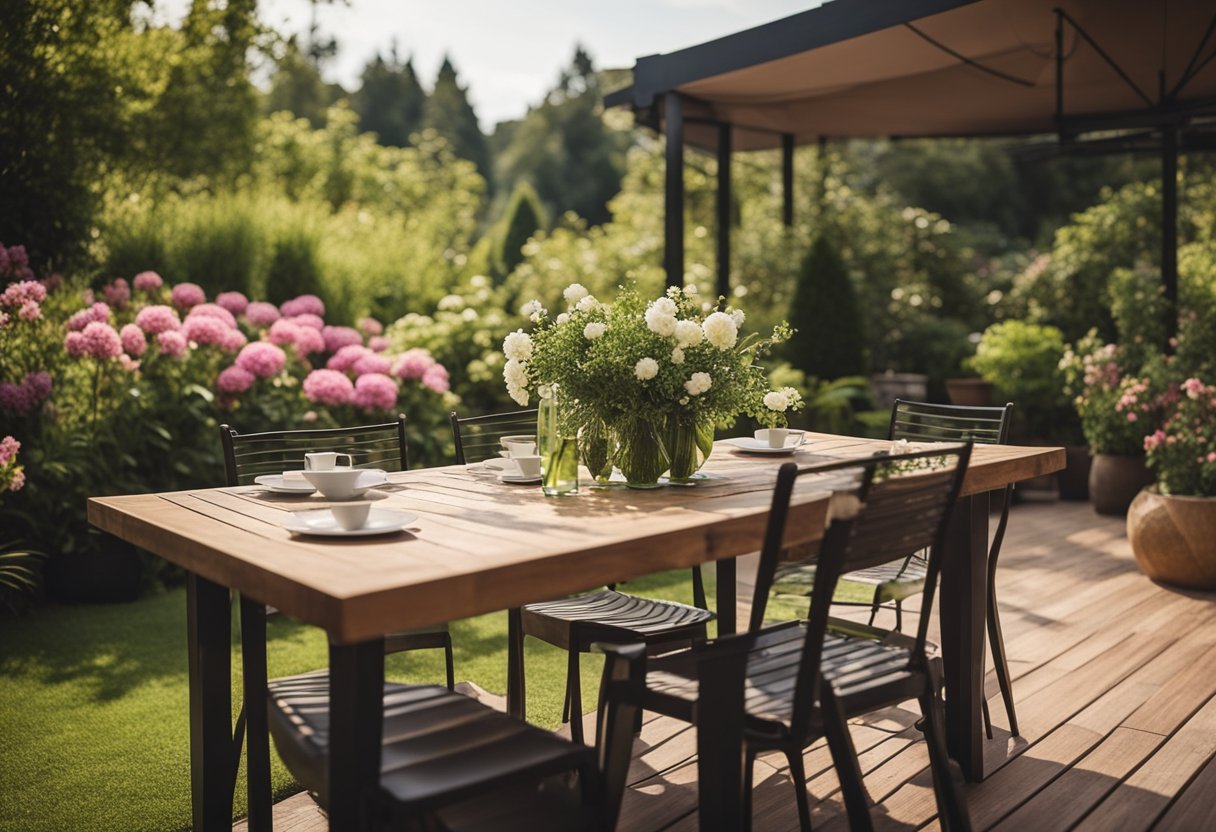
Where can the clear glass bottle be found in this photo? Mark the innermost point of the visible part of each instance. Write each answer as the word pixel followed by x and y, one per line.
pixel 557 445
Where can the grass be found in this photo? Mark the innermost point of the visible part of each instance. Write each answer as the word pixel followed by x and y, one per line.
pixel 94 711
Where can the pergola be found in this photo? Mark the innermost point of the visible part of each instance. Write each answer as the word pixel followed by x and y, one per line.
pixel 1097 75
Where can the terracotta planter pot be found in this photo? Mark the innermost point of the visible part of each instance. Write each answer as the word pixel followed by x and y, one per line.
pixel 1172 538
pixel 1073 481
pixel 970 392
pixel 1114 481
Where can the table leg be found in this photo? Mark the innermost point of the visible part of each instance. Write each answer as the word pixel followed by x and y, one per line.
pixel 356 719
pixel 720 761
pixel 725 570
pixel 516 693
pixel 257 736
pixel 209 634
pixel 963 602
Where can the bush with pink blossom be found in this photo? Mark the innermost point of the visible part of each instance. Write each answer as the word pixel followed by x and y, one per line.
pixel 1182 452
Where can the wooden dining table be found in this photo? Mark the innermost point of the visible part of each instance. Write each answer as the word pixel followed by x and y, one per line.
pixel 478 546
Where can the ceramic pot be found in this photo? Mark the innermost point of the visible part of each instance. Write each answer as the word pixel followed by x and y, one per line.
pixel 1174 538
pixel 1114 481
pixel 969 392
pixel 1073 481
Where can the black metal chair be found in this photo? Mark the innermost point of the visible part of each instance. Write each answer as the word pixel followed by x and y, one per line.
pixel 799 681
pixel 248 456
pixel 453 764
pixel 577 622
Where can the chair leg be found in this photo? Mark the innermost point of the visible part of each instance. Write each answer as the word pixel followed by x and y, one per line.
pixel 875 605
pixel 844 755
pixel 698 589
pixel 997 641
pixel 749 767
pixel 987 717
pixel 574 695
pixel 899 616
pixel 516 689
pixel 951 803
pixel 449 665
pixel 798 775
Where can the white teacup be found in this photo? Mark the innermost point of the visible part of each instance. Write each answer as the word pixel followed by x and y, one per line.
pixel 780 437
pixel 351 516
pixel 519 445
pixel 326 461
pixel 337 483
pixel 529 466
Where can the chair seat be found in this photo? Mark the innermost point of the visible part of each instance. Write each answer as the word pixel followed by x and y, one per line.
pixel 895 581
pixel 439 747
pixel 612 615
pixel 855 665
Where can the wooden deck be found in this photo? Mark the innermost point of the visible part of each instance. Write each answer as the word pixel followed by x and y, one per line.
pixel 1115 686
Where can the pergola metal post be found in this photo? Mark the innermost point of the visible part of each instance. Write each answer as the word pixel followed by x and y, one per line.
pixel 1169 228
pixel 787 179
pixel 673 229
pixel 723 208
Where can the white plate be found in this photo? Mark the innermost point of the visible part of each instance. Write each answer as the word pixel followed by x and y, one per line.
pixel 276 483
pixel 518 479
pixel 322 522
pixel 754 446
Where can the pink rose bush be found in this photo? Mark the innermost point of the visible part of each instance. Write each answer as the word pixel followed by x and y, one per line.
pixel 1182 452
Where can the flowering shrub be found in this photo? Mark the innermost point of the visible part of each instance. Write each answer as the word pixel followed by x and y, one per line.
pixel 1117 410
pixel 776 404
pixel 1182 452
pixel 16 575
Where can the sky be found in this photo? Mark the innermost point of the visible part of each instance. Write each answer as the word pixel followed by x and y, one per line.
pixel 510 52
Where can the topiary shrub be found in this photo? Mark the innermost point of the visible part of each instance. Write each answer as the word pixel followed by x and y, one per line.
pixel 295 268
pixel 828 342
pixel 523 218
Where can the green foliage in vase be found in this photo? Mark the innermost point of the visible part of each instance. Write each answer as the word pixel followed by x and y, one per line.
pixel 828 341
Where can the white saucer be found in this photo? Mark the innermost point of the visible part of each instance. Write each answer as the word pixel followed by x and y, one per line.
pixel 276 483
pixel 322 522
pixel 518 479
pixel 754 446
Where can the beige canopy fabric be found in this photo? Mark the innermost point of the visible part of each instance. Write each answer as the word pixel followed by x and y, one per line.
pixel 855 68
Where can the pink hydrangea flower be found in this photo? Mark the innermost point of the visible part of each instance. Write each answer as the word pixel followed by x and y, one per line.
pixel 308 341
pixel 346 356
pixel 133 341
pixel 117 293
pixel 261 314
pixel 309 320
pixel 234 339
pixel 233 380
pixel 212 310
pixel 17 256
pixel 157 319
pixel 282 332
pixel 147 282
pixel 436 379
pixel 328 387
pixel 128 363
pixel 186 295
pixel 375 391
pixel 74 344
pixel 17 398
pixel 3 319
pixel 234 302
pixel 337 337
pixel 8 450
pixel 40 384
pixel 16 294
pixel 370 326
pixel 172 343
pixel 378 343
pixel 101 341
pixel 17 481
pixel 371 363
pixel 303 305
pixel 412 364
pixel 262 358
pixel 206 330
pixel 29 311
pixel 97 312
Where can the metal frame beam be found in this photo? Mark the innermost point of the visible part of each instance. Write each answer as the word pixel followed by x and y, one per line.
pixel 723 206
pixel 787 179
pixel 673 202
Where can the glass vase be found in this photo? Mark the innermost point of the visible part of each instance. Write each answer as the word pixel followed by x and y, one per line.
pixel 558 447
pixel 595 447
pixel 689 442
pixel 640 452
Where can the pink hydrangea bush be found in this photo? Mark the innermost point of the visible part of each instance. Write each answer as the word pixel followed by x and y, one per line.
pixel 1182 452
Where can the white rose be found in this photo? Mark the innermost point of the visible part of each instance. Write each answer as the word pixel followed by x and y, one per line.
pixel 776 401
pixel 594 330
pixel 588 304
pixel 677 356
pixel 518 345
pixel 574 293
pixel 666 306
pixel 659 322
pixel 562 318
pixel 646 369
pixel 720 330
pixel 532 307
pixel 738 317
pixel 519 394
pixel 698 383
pixel 688 333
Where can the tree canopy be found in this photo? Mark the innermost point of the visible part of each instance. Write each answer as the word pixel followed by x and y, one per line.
pixel 449 113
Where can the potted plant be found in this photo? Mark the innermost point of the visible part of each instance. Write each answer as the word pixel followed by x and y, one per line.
pixel 1172 525
pixel 1117 412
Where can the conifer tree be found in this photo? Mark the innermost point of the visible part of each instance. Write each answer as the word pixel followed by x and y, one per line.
pixel 450 114
pixel 524 217
pixel 828 342
pixel 390 101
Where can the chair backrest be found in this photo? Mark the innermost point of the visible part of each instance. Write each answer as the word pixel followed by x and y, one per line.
pixel 476 437
pixel 925 422
pixel 902 503
pixel 249 455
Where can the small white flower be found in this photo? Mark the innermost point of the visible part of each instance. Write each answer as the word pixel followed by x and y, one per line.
pixel 720 330
pixel 666 306
pixel 519 394
pixel 673 291
pixel 479 281
pixel 451 302
pixel 518 346
pixel 684 400
pixel 688 333
pixel 677 356
pixel 574 293
pixel 776 401
pixel 698 383
pixel 691 290
pixel 646 369
pixel 588 304
pixel 900 446
pixel 738 317
pixel 563 317
pixel 531 308
pixel 659 322
pixel 469 315
pixel 594 330
pixel 536 316
pixel 515 373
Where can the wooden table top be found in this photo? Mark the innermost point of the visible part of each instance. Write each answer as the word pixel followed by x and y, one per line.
pixel 478 545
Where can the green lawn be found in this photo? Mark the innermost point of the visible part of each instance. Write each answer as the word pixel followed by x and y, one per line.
pixel 93 704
